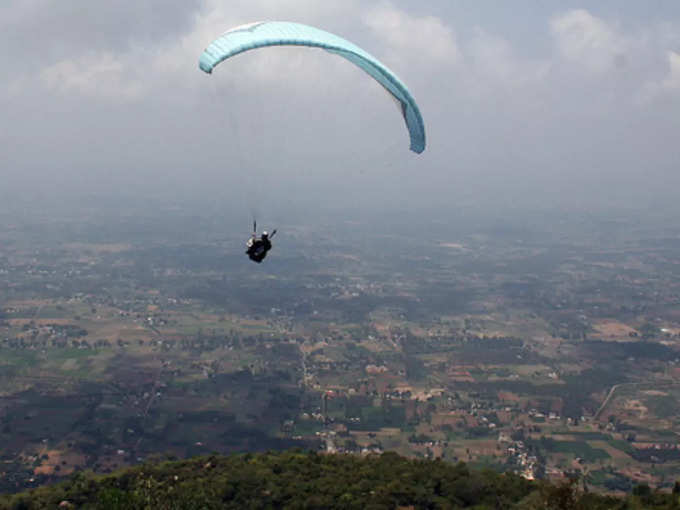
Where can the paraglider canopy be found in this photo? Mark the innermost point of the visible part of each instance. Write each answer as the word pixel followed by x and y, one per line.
pixel 278 33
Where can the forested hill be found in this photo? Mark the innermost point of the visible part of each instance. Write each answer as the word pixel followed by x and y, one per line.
pixel 308 480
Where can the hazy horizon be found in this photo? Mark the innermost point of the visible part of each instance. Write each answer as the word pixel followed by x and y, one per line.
pixel 526 107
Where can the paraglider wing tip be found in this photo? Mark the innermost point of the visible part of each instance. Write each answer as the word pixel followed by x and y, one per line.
pixel 418 147
pixel 205 67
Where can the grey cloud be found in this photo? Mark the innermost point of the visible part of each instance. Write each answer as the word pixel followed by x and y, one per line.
pixel 39 32
pixel 109 97
pixel 108 25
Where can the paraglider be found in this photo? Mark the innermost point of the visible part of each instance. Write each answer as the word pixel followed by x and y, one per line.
pixel 277 33
pixel 257 248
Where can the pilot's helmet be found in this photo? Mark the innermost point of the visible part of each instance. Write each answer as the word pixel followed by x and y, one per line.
pixel 265 234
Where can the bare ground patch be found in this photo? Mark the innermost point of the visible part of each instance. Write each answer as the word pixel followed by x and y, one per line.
pixel 613 330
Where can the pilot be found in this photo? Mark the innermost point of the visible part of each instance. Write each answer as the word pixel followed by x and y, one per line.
pixel 258 248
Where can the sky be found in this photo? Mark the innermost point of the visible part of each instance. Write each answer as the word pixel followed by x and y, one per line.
pixel 524 102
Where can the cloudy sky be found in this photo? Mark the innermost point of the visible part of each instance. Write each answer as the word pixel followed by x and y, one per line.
pixel 574 103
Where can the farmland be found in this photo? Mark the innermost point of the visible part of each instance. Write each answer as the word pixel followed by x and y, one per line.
pixel 517 351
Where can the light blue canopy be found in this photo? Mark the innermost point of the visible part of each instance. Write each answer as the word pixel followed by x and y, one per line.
pixel 278 33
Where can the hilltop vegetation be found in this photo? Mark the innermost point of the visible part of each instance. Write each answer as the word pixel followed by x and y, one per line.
pixel 298 479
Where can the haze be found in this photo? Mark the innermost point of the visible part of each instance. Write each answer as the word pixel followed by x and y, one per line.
pixel 510 298
pixel 566 105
